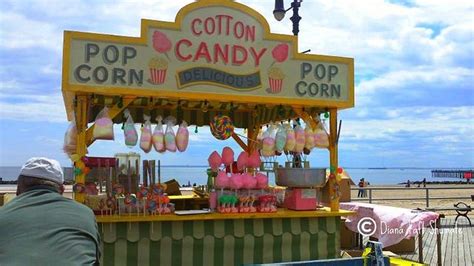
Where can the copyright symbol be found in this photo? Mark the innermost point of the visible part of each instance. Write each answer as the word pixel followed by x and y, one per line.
pixel 366 226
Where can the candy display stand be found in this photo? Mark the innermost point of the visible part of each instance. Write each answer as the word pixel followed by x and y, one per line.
pixel 236 75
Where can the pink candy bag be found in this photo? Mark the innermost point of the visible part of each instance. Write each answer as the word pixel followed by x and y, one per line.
pixel 214 160
pixel 145 138
pixel 300 139
pixel 268 145
pixel 103 126
pixel 227 156
pixel 182 137
pixel 321 137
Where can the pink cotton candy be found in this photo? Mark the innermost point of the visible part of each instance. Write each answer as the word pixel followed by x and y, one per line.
pixel 182 137
pixel 222 180
pixel 242 160
pixel 300 139
pixel 254 159
pixel 262 181
pixel 250 182
pixel 214 160
pixel 236 181
pixel 227 156
pixel 268 147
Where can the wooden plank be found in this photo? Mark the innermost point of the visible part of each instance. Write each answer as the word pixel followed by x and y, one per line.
pixel 429 244
pixel 448 254
pixel 469 244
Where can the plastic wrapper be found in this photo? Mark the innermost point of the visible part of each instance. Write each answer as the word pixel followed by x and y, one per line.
pixel 254 160
pixel 300 139
pixel 309 138
pixel 129 130
pixel 227 156
pixel 103 126
pixel 268 145
pixel 290 138
pixel 182 137
pixel 321 137
pixel 236 181
pixel 159 136
pixel 145 138
pixel 170 138
pixel 242 160
pixel 280 139
pixel 262 181
pixel 69 146
pixel 214 160
pixel 222 180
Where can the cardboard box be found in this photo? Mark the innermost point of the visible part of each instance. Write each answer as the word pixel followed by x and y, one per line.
pixel 348 238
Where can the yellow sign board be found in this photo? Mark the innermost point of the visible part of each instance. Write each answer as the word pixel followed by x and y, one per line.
pixel 218 50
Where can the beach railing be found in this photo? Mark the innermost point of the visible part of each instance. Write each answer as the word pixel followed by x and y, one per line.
pixel 426 198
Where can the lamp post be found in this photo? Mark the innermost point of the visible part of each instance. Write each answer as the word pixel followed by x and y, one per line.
pixel 279 13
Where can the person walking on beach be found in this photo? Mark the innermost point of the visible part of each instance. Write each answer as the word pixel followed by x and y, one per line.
pixel 361 190
pixel 41 227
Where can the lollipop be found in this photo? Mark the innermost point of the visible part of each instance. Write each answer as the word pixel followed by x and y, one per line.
pixel 222 127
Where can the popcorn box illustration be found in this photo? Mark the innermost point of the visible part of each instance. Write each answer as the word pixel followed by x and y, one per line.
pixel 275 79
pixel 158 67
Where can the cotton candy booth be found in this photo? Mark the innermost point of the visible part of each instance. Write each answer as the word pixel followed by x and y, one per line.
pixel 216 70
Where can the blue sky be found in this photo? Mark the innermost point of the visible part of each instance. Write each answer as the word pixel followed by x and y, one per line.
pixel 414 76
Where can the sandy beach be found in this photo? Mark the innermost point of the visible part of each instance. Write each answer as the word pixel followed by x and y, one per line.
pixel 414 192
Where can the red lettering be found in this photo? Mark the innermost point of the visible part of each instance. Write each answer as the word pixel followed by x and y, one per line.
pixel 258 55
pixel 193 26
pixel 250 33
pixel 227 23
pixel 209 25
pixel 224 54
pixel 243 52
pixel 202 51
pixel 239 30
pixel 177 50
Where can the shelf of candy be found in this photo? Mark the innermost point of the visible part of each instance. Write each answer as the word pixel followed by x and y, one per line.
pixel 148 201
pixel 243 190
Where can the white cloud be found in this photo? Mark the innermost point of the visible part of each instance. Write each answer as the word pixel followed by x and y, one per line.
pixel 33 108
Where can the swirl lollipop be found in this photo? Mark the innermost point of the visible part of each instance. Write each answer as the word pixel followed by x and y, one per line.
pixel 222 127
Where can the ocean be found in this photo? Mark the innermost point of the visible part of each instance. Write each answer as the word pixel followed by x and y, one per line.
pixel 197 174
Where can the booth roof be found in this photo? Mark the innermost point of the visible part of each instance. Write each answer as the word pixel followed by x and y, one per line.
pixel 198 113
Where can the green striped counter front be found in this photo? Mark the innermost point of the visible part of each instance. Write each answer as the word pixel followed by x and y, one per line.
pixel 218 240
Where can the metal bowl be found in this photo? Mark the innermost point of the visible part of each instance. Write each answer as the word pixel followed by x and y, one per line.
pixel 301 177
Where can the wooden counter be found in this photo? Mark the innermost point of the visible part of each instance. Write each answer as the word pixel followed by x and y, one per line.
pixel 220 239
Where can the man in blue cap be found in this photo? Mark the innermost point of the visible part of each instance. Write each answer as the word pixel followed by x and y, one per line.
pixel 41 227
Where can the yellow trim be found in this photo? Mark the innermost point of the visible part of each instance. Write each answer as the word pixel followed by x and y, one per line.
pixel 136 91
pixel 70 90
pixel 282 213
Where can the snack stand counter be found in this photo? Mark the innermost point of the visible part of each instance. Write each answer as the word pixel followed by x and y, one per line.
pixel 217 58
pixel 216 239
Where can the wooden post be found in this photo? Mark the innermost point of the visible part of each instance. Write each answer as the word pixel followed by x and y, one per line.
pixel 333 159
pixel 80 110
pixel 420 245
pixel 438 239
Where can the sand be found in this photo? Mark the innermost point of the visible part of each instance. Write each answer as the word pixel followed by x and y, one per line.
pixel 414 192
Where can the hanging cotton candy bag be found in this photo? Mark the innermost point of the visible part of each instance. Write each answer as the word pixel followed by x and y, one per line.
pixel 103 126
pixel 145 138
pixel 69 146
pixel 300 139
pixel 182 137
pixel 159 136
pixel 129 130
pixel 280 138
pixel 170 138
pixel 321 137
pixel 268 145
